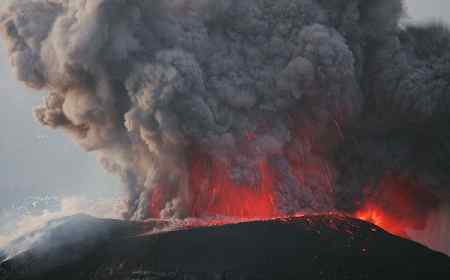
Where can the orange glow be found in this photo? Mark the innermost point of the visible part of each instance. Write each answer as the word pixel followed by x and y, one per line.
pixel 376 215
pixel 215 194
pixel 399 205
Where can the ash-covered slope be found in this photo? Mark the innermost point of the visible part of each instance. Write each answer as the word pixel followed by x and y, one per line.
pixel 310 247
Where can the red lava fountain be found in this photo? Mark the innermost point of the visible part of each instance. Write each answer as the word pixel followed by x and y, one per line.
pixel 399 205
pixel 215 194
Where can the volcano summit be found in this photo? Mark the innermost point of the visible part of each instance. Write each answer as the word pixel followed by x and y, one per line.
pixel 309 247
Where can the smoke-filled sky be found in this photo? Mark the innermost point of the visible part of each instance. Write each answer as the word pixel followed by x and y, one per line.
pixel 25 145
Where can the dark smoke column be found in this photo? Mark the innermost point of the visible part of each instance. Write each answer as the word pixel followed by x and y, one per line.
pixel 201 105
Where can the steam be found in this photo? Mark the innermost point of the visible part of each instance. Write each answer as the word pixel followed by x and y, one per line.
pixel 331 95
pixel 38 211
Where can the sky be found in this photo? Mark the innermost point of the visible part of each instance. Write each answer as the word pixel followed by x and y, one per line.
pixel 34 159
pixel 423 10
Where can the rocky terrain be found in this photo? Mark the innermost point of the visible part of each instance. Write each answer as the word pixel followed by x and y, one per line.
pixel 308 247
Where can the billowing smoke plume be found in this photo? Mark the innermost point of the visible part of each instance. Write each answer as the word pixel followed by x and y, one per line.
pixel 303 105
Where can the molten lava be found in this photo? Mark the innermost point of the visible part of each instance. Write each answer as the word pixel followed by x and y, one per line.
pixel 399 205
pixel 216 194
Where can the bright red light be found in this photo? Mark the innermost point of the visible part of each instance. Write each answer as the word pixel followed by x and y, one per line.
pixel 399 205
pixel 215 193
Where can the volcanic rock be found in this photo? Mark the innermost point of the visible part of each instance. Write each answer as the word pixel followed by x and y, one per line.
pixel 306 247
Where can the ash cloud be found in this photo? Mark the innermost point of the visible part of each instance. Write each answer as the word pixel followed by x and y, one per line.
pixel 334 87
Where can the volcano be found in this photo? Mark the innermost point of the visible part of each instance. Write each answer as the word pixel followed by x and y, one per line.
pixel 306 247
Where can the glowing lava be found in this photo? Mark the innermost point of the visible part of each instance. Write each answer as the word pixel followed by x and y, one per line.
pixel 398 205
pixel 216 194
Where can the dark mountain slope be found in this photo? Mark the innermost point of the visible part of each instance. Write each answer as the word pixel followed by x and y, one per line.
pixel 311 247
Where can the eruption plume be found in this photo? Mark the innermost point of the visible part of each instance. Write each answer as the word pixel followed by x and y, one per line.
pixel 241 108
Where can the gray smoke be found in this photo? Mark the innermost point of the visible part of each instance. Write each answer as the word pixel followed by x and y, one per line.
pixel 334 86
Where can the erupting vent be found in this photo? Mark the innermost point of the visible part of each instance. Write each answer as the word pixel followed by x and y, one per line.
pixel 399 205
pixel 214 193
